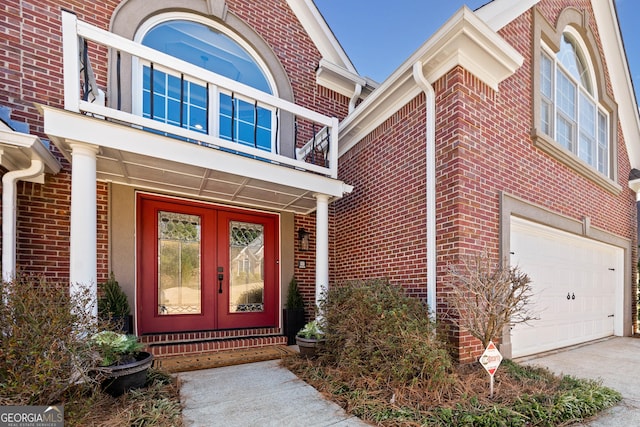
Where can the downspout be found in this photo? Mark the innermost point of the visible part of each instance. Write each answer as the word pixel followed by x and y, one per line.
pixel 355 97
pixel 9 201
pixel 430 106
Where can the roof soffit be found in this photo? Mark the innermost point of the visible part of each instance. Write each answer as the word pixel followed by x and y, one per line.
pixel 322 36
pixel 499 13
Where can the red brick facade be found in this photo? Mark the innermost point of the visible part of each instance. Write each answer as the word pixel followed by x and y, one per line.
pixel 31 73
pixel 484 147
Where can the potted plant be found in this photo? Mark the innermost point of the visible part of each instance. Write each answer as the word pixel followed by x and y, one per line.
pixel 293 313
pixel 113 305
pixel 122 363
pixel 310 338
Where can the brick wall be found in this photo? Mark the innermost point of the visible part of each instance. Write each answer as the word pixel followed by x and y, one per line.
pixel 31 72
pixel 483 147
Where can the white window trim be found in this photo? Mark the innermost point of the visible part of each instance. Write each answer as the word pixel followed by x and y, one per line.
pixel 549 144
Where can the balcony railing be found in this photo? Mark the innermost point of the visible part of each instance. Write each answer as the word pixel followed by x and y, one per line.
pixel 311 137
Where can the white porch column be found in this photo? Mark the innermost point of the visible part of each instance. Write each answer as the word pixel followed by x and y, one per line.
pixel 322 245
pixel 83 258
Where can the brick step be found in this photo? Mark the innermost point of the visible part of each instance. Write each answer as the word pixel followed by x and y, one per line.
pixel 168 345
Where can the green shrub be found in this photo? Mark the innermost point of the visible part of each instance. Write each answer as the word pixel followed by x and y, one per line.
pixel 375 331
pixel 294 297
pixel 43 344
pixel 113 302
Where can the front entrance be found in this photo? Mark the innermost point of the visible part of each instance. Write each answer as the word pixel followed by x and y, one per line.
pixel 204 267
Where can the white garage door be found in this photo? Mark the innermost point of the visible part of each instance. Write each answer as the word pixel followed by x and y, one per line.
pixel 577 286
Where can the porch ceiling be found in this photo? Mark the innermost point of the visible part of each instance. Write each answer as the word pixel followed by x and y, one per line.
pixel 165 175
pixel 150 161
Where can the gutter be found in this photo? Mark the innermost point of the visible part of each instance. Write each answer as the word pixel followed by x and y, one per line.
pixel 9 201
pixel 430 106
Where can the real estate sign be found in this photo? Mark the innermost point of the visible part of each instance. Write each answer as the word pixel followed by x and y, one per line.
pixel 491 358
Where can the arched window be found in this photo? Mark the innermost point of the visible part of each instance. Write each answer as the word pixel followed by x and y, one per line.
pixel 187 102
pixel 570 111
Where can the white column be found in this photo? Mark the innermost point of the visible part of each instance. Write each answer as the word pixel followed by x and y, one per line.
pixel 322 245
pixel 83 258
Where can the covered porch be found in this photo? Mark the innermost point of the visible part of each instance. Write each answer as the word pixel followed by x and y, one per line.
pixel 103 143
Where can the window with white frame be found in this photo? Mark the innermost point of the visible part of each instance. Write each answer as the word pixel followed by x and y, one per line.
pixel 570 112
pixel 187 102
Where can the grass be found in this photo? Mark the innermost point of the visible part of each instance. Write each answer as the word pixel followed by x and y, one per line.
pixel 524 396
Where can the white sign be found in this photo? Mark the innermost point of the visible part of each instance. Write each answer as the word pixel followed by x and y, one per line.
pixel 491 358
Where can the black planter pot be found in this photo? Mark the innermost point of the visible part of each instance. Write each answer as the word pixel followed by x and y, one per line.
pixel 293 320
pixel 121 378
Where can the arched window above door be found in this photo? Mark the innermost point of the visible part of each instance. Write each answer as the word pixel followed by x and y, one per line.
pixel 208 48
pixel 187 102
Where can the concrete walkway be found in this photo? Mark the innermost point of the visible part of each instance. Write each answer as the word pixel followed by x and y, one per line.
pixel 614 361
pixel 256 394
pixel 265 394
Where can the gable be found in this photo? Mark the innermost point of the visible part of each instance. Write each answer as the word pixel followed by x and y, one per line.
pixel 499 13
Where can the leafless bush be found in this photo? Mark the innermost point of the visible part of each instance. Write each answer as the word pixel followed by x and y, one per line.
pixel 487 296
pixel 43 340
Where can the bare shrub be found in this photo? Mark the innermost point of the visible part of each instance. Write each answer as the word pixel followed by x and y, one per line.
pixel 43 347
pixel 488 296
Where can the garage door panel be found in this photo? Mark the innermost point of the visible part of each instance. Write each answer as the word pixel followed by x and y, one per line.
pixel 560 265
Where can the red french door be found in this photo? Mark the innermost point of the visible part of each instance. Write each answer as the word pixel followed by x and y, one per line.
pixel 204 267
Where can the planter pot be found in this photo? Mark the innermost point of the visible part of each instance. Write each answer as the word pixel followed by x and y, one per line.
pixel 293 320
pixel 121 378
pixel 309 346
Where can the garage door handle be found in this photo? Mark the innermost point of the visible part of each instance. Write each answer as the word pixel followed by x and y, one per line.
pixel 573 296
pixel 568 296
pixel 611 315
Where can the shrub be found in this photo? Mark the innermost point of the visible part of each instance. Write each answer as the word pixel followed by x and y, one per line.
pixel 294 297
pixel 376 332
pixel 488 296
pixel 113 301
pixel 43 346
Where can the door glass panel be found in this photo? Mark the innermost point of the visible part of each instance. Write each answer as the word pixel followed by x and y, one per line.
pixel 246 258
pixel 178 264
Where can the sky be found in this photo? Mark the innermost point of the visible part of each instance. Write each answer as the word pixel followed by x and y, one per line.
pixel 379 35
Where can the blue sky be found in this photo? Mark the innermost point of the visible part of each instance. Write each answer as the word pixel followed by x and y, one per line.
pixel 379 35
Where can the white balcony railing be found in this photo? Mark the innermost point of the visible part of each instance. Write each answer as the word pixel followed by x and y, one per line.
pixel 314 137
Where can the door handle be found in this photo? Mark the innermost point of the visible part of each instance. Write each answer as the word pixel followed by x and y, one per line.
pixel 220 278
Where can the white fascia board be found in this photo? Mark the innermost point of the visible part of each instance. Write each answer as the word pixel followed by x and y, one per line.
pixel 32 148
pixel 635 186
pixel 463 40
pixel 499 13
pixel 616 60
pixel 63 126
pixel 322 36
pixel 340 80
